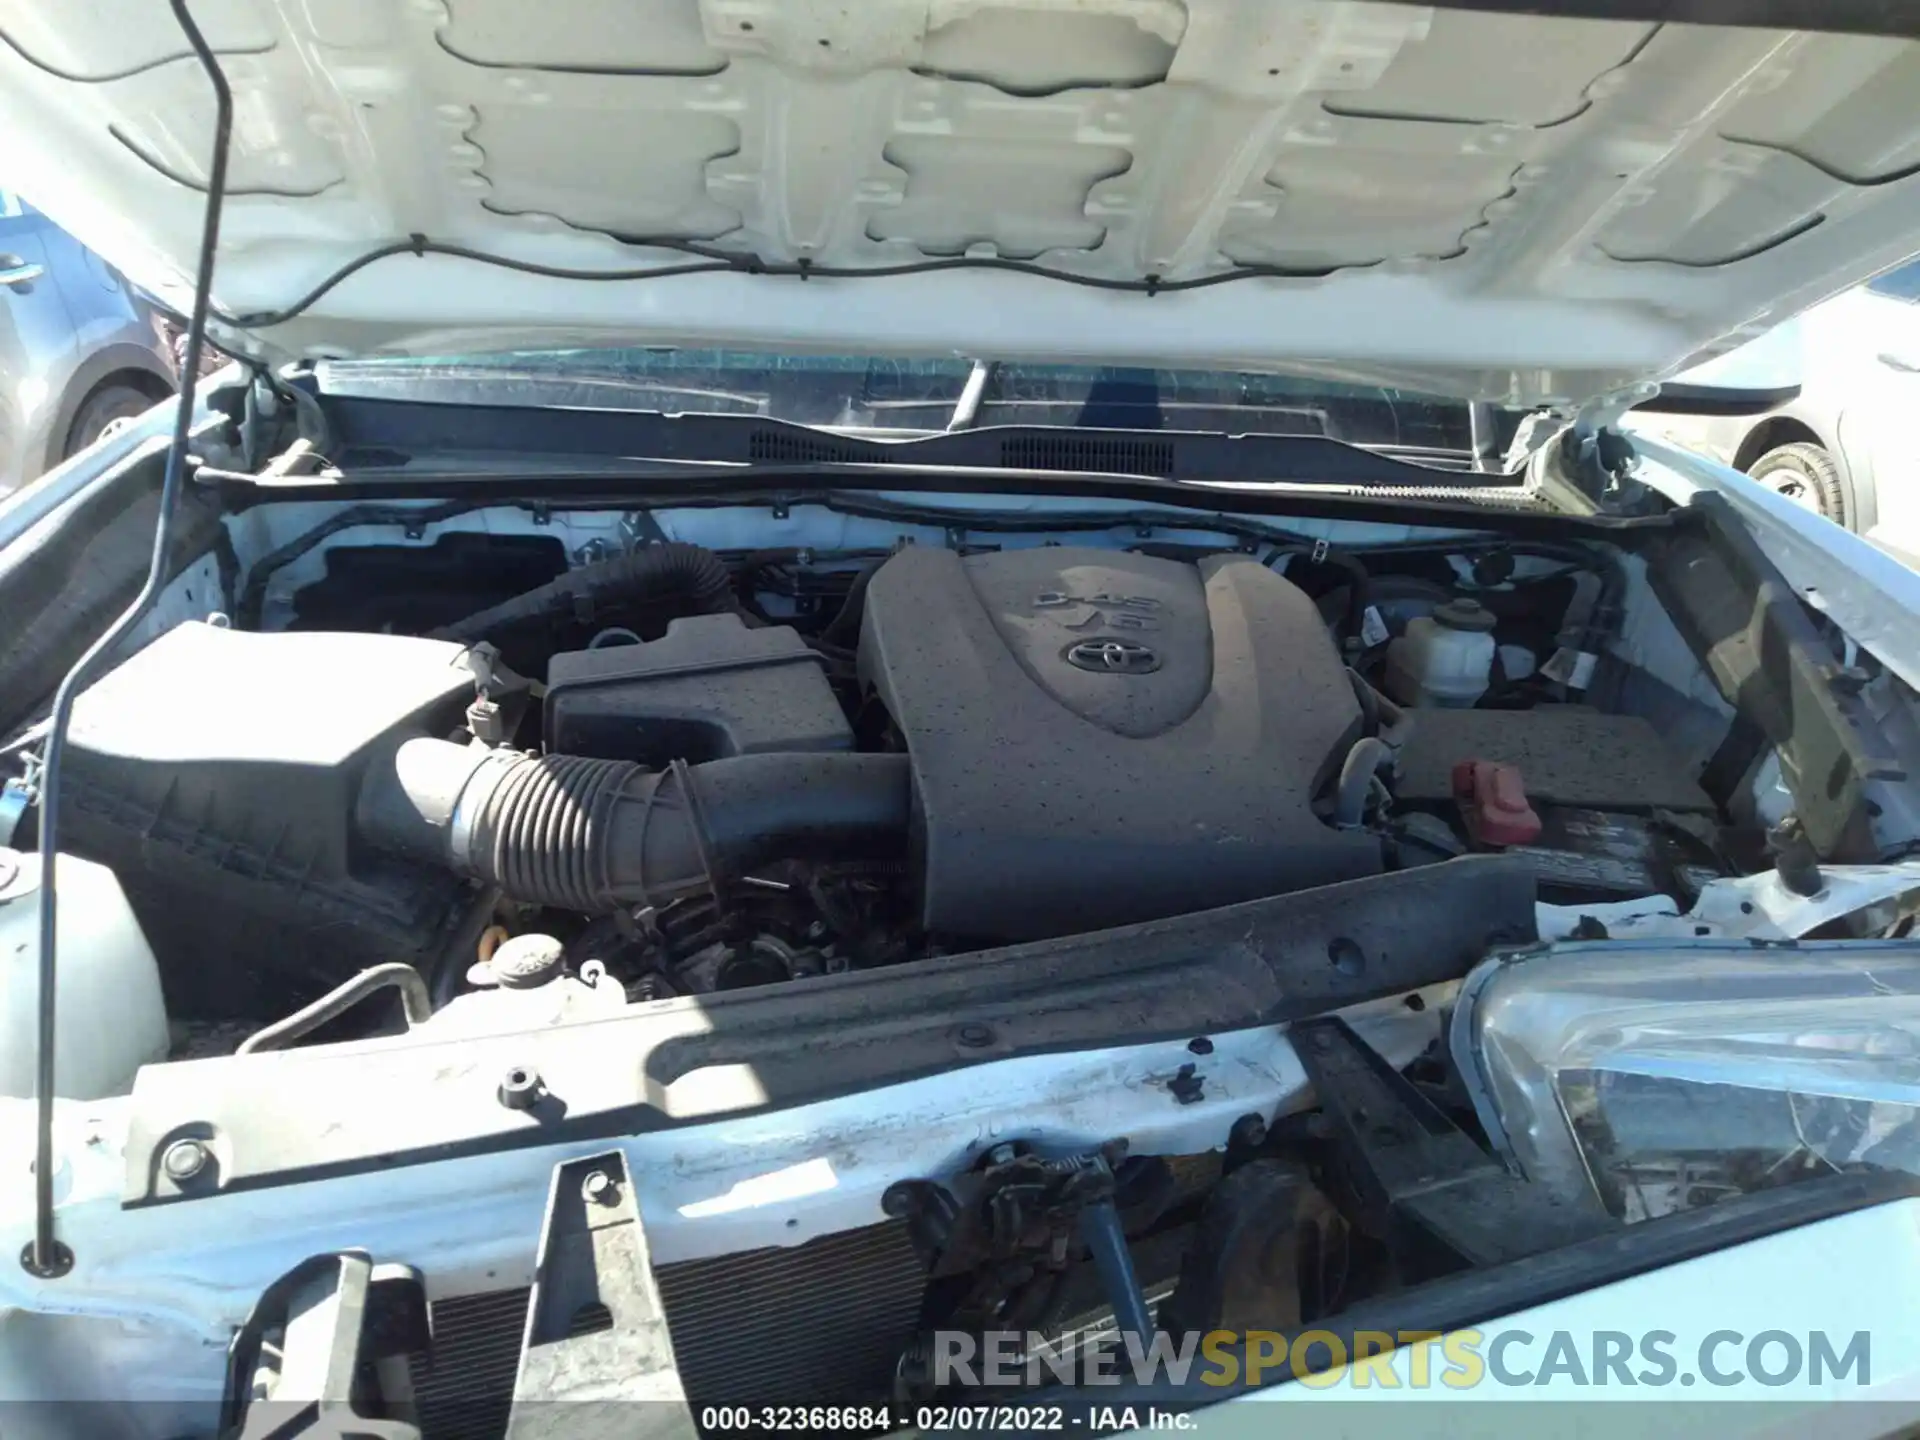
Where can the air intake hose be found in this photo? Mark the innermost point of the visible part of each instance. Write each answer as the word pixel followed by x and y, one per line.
pixel 599 835
pixel 686 579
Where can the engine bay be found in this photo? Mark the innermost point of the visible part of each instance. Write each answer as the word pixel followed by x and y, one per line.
pixel 675 769
pixel 456 840
pixel 1136 791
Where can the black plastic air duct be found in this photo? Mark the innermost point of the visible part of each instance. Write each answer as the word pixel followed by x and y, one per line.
pixel 597 835
pixel 673 576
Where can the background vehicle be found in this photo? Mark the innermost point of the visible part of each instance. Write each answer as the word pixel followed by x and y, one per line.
pixel 78 350
pixel 1844 446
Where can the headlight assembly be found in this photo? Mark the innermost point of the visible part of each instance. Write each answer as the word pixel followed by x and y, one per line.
pixel 1667 1076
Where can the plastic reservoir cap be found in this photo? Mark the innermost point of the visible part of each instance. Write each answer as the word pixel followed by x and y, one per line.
pixel 525 961
pixel 1464 614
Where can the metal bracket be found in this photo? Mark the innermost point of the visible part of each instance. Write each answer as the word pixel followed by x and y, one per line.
pixel 1742 907
pixel 1756 640
pixel 595 550
pixel 325 1342
pixel 1535 432
pixel 1424 1187
pixel 1605 412
pixel 596 1331
pixel 639 529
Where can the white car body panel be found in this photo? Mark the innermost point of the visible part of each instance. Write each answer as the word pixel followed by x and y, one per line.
pixel 156 1292
pixel 1852 1273
pixel 1516 207
pixel 1869 593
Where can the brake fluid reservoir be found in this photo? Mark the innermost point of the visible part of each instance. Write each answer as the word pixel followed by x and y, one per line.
pixel 1443 659
pixel 110 1019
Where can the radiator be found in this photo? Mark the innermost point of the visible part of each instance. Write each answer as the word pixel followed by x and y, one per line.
pixel 816 1322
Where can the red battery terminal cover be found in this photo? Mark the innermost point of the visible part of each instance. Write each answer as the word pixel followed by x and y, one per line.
pixel 1493 802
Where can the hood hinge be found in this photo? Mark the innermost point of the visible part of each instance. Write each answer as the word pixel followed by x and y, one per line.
pixel 268 414
pixel 1586 459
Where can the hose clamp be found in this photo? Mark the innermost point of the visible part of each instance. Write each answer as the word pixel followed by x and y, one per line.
pixel 472 804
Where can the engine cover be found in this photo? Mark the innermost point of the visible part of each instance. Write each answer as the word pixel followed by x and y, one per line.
pixel 1098 737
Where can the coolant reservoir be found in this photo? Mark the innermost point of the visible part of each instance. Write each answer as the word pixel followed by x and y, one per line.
pixel 110 1019
pixel 1445 659
pixel 564 1000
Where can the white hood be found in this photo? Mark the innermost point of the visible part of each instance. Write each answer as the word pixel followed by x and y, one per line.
pixel 1509 206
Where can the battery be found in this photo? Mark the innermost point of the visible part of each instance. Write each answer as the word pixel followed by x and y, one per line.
pixel 1592 854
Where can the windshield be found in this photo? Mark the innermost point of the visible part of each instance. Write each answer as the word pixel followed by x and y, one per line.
pixel 1902 283
pixel 864 393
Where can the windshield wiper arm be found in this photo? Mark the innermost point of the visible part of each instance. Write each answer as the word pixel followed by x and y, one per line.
pixel 1484 429
pixel 967 408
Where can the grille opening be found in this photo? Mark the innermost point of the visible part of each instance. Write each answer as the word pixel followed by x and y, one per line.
pixel 780 447
pixel 1087 452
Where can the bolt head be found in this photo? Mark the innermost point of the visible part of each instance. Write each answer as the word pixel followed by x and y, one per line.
pixel 897 1201
pixel 599 1188
pixel 1248 1131
pixel 520 1087
pixel 57 1263
pixel 974 1036
pixel 184 1159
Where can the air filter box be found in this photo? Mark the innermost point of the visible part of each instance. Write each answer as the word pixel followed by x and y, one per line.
pixel 708 688
pixel 216 773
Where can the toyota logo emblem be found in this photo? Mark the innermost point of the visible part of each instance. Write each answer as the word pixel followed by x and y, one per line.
pixel 1113 657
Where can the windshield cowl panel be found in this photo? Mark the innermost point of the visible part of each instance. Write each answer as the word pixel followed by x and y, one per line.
pixel 919 396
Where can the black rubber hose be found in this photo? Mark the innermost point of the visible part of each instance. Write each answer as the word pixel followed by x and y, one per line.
pixel 844 629
pixel 1367 757
pixel 598 835
pixel 1379 716
pixel 1359 582
pixel 449 970
pixel 689 579
pixel 1359 590
pixel 1369 699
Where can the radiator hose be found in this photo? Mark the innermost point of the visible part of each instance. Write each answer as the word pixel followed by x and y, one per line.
pixel 687 579
pixel 600 835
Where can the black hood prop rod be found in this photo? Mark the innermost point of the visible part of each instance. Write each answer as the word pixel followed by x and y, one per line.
pixel 45 1255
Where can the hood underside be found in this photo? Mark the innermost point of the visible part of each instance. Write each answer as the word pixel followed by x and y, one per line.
pixel 1517 207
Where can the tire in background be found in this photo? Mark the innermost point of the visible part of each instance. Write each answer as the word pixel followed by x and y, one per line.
pixel 1806 474
pixel 106 405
